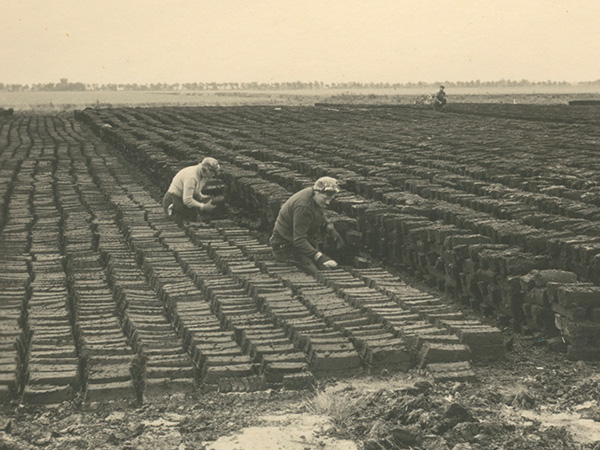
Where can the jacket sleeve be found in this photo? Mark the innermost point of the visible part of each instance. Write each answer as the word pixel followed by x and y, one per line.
pixel 189 187
pixel 302 219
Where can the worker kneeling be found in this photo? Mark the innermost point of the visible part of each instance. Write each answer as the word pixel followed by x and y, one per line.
pixel 184 200
pixel 300 220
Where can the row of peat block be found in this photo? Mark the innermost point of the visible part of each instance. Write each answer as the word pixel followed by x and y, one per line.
pixel 488 276
pixel 428 306
pixel 105 296
pixel 329 351
pixel 78 313
pixel 485 270
pixel 382 317
pixel 472 267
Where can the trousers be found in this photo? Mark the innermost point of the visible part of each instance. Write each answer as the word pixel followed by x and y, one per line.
pixel 288 253
pixel 179 210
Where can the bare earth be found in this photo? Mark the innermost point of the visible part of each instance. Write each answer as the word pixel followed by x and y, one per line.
pixel 535 399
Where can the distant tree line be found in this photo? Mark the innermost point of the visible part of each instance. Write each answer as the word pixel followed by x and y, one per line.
pixel 65 85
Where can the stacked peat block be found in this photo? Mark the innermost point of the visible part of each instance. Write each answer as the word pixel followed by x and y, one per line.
pixel 483 342
pixel 486 275
pixel 15 291
pixel 578 318
pixel 163 362
pixel 213 348
pixel 53 371
pixel 578 254
pixel 122 276
pixel 480 273
pixel 557 304
pixel 103 352
pixel 376 345
pixel 537 308
pixel 272 305
pixel 14 340
pixel 7 175
pixel 108 357
pixel 244 187
pixel 490 282
pixel 379 347
pixel 234 300
pixel 53 367
pixel 160 362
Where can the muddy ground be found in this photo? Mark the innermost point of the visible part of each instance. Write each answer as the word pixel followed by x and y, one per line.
pixel 534 399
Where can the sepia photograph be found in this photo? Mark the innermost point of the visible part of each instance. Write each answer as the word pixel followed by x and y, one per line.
pixel 300 225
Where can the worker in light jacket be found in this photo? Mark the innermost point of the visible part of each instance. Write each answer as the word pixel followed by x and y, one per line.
pixel 184 199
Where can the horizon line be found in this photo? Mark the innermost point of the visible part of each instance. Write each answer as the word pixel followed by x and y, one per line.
pixel 311 82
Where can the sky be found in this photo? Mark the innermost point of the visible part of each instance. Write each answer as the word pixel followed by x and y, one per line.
pixel 267 41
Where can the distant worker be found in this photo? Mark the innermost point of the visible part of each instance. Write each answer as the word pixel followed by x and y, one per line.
pixel 184 199
pixel 439 99
pixel 300 220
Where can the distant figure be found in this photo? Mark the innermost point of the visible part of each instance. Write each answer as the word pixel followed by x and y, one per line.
pixel 440 99
pixel 184 199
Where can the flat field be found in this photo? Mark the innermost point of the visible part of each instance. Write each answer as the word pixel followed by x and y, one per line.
pixel 67 101
pixel 440 329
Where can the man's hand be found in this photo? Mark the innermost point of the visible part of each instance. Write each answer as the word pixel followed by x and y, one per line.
pixel 208 206
pixel 218 199
pixel 324 261
pixel 330 264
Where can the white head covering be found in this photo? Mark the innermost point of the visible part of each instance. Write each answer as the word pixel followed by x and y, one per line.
pixel 326 184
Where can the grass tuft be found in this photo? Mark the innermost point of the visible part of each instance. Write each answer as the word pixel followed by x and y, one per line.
pixel 339 407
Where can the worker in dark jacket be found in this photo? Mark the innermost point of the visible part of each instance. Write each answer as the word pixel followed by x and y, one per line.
pixel 300 220
pixel 184 199
pixel 439 100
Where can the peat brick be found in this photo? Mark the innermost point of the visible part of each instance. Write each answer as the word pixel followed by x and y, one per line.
pixel 543 277
pixel 245 384
pixel 578 295
pixel 298 381
pixel 432 352
pixel 275 372
pixel 47 394
pixel 213 374
pixel 573 313
pixel 579 334
pixel 340 361
pixel 457 371
pixel 109 391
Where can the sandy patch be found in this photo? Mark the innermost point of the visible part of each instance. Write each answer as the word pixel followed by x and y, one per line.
pixel 284 432
pixel 583 430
